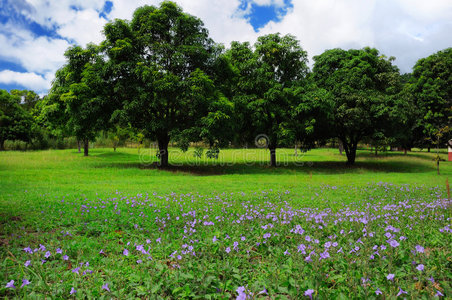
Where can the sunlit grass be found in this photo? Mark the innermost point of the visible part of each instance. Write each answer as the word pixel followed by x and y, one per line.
pixel 116 201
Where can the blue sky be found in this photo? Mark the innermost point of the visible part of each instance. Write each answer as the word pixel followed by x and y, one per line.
pixel 35 33
pixel 258 15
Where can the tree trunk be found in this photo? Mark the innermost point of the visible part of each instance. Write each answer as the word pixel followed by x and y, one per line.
pixel 85 147
pixel 79 145
pixel 351 156
pixel 296 151
pixel 404 151
pixel 428 149
pixel 437 166
pixel 376 150
pixel 273 157
pixel 2 145
pixel 163 142
pixel 341 147
pixel 350 151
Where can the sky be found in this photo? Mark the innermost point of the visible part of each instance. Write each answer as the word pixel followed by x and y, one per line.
pixel 34 34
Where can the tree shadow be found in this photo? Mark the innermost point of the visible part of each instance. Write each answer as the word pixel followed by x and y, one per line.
pixel 317 167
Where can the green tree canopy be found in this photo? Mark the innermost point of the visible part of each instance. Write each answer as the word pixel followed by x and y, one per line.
pixel 160 64
pixel 361 83
pixel 78 102
pixel 267 77
pixel 431 86
pixel 15 122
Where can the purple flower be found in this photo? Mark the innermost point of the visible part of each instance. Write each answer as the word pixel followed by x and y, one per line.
pixel 264 291
pixel 241 293
pixel 27 263
pixel 139 261
pixel 10 284
pixel 393 243
pixel 419 249
pixel 87 272
pixel 66 257
pixel 101 251
pixel 105 287
pixel 401 292
pixel 287 252
pixel 309 293
pixel 73 291
pixel 308 258
pixel 302 248
pixel 228 249
pixel 76 270
pixel 439 294
pixel 158 240
pixel 378 292
pixel 47 255
pixel 420 267
pixel 214 239
pixel 324 255
pixel 390 277
pixel 59 251
pixel 125 252
pixel 25 282
pixel 28 250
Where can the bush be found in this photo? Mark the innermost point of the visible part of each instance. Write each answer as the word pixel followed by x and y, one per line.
pixel 15 145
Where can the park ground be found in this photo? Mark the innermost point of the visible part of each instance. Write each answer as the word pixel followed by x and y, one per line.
pixel 114 225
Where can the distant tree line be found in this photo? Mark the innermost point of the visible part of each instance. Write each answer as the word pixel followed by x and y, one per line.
pixel 162 77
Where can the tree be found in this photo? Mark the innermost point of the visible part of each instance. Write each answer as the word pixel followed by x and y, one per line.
pixel 28 99
pixel 160 64
pixel 361 83
pixel 236 82
pixel 404 116
pixel 269 76
pixel 51 112
pixel 78 99
pixel 431 85
pixel 15 122
pixel 311 115
pixel 118 135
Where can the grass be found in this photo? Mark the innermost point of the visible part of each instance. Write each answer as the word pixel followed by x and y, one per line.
pixel 219 228
pixel 105 171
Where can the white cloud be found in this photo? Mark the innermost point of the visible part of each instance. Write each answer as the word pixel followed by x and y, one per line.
pixel 75 20
pixel 407 29
pixel 30 81
pixel 278 3
pixel 84 27
pixel 35 54
pixel 399 28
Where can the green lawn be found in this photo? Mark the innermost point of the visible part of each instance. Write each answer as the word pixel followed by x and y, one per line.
pixel 61 172
pixel 112 225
